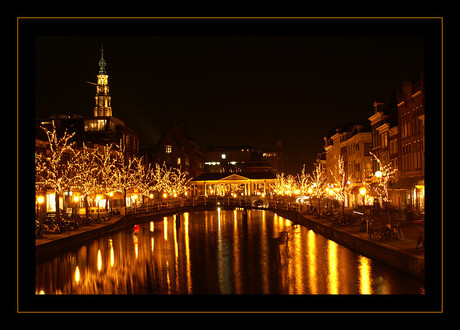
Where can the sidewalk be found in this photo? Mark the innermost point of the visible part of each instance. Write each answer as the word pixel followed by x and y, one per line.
pixel 409 228
pixel 53 237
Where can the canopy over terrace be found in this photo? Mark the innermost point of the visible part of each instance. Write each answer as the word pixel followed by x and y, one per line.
pixel 233 184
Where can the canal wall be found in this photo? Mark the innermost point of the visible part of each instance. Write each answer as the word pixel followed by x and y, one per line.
pixel 397 258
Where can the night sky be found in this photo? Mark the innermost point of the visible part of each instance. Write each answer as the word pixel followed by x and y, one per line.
pixel 232 82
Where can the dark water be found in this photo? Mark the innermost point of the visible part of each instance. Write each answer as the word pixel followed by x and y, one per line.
pixel 216 252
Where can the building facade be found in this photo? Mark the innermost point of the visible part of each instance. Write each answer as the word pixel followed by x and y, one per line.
pixel 353 144
pixel 244 158
pixel 410 188
pixel 177 149
pixel 233 185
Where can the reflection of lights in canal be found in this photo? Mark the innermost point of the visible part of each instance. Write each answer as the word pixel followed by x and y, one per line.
pixel 217 252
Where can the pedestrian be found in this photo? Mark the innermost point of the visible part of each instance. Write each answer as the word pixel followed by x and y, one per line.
pixel 370 229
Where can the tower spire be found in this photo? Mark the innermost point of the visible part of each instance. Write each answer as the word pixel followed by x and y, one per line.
pixel 102 62
pixel 103 99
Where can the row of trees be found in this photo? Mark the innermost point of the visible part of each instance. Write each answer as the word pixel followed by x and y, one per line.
pixel 101 170
pixel 315 184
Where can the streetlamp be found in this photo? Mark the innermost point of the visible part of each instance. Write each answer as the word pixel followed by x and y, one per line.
pixel 331 193
pixel 98 198
pixel 40 200
pixel 362 192
pixel 75 199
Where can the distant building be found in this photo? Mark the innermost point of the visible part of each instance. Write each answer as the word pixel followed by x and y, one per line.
pixel 244 158
pixel 274 157
pixel 177 149
pixel 233 185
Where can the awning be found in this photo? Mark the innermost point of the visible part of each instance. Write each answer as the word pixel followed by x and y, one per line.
pixel 408 183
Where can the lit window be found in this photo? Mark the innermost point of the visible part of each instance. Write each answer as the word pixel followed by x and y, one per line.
pixel 178 160
pixel 168 149
pixel 95 124
pixel 224 156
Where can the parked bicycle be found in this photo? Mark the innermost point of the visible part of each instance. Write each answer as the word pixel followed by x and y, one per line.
pixel 389 232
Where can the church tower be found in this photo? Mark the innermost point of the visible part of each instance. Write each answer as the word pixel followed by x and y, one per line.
pixel 102 108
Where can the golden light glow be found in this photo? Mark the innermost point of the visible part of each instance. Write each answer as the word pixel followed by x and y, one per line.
pixel 165 228
pixel 136 245
pixel 40 199
pixel 77 275
pixel 362 191
pixel 311 256
pixel 333 276
pixel 187 254
pixel 111 253
pixel 99 260
pixel 365 279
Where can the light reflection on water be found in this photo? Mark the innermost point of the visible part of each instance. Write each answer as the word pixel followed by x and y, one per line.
pixel 217 252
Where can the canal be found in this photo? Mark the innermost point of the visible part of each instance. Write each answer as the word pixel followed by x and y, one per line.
pixel 218 252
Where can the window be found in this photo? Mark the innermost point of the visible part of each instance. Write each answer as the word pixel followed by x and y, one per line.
pixel 224 156
pixel 168 149
pixel 178 161
pixel 95 124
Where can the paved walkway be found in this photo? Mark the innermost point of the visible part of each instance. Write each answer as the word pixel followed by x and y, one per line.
pixel 52 237
pixel 410 229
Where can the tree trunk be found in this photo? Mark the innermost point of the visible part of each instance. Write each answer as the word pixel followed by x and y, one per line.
pixel 86 206
pixel 56 203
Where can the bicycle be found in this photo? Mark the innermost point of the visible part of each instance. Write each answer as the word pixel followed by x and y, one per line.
pixel 389 232
pixel 397 233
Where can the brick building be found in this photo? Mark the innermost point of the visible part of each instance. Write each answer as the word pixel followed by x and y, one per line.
pixel 410 189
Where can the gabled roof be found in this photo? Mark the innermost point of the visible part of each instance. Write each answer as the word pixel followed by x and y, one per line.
pixel 235 176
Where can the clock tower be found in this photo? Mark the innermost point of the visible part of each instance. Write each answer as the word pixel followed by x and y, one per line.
pixel 103 99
